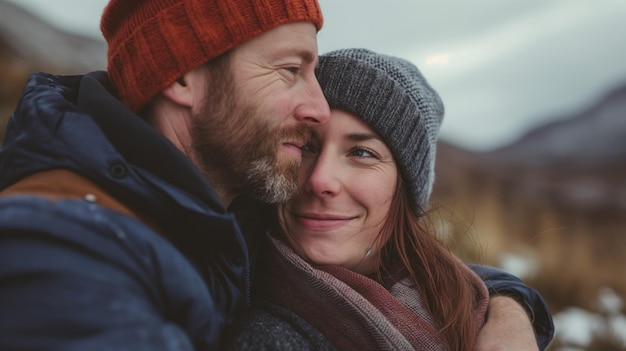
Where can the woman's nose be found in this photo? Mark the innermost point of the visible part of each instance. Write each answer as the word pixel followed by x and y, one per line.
pixel 323 177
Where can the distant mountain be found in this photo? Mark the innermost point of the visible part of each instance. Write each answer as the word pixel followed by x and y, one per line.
pixel 28 44
pixel 26 37
pixel 578 161
pixel 588 139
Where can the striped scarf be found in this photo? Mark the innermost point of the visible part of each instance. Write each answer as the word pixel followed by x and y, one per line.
pixel 353 311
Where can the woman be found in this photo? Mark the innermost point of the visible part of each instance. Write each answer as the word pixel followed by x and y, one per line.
pixel 351 265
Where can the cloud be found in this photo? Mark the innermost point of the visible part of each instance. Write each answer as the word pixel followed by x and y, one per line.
pixel 511 78
pixel 501 67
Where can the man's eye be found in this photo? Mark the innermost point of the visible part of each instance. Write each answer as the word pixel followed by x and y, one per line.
pixel 293 69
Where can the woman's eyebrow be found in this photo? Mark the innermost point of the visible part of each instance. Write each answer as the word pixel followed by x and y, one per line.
pixel 362 137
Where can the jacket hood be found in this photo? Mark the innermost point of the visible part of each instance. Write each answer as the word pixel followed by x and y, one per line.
pixel 75 123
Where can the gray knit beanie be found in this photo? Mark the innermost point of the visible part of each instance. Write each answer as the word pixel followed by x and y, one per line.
pixel 392 96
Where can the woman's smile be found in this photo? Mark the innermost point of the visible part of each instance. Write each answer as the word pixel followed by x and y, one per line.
pixel 322 221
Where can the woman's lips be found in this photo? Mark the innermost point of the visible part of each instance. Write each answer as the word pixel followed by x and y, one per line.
pixel 318 221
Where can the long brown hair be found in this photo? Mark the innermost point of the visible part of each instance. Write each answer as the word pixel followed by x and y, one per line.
pixel 447 289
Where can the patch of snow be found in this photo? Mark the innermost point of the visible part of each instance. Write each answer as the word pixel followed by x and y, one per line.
pixel 520 265
pixel 577 327
pixel 609 302
pixel 618 326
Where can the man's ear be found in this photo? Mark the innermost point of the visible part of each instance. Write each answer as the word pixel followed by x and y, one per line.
pixel 183 89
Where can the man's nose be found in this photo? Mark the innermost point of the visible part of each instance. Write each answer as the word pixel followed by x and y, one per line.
pixel 314 110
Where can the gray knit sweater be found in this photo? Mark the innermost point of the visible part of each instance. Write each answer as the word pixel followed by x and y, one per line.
pixel 272 327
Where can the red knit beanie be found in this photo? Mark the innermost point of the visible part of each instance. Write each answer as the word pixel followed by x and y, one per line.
pixel 153 42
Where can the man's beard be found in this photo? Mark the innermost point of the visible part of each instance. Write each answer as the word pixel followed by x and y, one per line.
pixel 274 180
pixel 239 150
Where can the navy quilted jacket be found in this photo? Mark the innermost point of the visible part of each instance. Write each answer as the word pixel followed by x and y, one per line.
pixel 77 276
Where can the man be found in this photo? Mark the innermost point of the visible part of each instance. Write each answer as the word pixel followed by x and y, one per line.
pixel 114 228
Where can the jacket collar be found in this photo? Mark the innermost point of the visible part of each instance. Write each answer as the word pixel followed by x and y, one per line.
pixel 153 152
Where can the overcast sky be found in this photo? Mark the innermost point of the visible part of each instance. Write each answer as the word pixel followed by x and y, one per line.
pixel 502 67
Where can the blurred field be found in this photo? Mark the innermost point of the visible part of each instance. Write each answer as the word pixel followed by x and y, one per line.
pixel 574 255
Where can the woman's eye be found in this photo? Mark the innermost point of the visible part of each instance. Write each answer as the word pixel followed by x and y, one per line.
pixel 308 147
pixel 363 152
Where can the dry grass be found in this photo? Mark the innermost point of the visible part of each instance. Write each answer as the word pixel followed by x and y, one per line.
pixel 574 253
